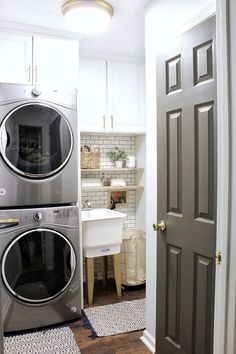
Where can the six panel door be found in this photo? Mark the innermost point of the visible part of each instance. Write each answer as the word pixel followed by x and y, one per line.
pixel 186 151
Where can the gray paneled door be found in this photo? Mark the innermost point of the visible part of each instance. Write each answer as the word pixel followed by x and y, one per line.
pixel 186 150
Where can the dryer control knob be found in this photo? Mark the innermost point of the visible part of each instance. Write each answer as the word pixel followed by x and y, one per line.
pixel 38 216
pixel 36 92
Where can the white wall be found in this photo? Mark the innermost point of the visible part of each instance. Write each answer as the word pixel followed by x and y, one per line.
pixel 151 185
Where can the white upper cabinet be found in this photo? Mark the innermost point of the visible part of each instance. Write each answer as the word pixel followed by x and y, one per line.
pixel 92 95
pixel 15 58
pixel 111 96
pixel 126 96
pixel 55 62
pixel 39 60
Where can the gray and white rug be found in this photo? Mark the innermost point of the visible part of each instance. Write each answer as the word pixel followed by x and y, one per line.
pixel 123 317
pixel 58 340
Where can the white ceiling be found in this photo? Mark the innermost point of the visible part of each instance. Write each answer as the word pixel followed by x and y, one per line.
pixel 125 37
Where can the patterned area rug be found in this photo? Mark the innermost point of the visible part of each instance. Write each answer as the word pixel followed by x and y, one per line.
pixel 123 317
pixel 58 340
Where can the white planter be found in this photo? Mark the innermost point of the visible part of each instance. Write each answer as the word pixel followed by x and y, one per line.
pixel 119 164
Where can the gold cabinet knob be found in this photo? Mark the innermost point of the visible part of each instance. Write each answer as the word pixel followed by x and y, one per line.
pixel 161 226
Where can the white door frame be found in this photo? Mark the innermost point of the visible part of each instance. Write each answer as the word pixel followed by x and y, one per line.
pixel 223 171
pixel 230 332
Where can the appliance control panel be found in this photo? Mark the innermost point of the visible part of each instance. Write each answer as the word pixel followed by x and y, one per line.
pixel 68 215
pixel 65 98
pixel 57 215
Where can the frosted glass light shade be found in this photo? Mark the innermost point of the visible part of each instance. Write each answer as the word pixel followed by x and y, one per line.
pixel 91 16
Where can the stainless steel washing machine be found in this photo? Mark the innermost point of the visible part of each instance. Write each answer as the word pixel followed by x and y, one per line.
pixel 41 267
pixel 38 146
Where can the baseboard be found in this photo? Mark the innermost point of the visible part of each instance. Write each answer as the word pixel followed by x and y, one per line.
pixel 148 340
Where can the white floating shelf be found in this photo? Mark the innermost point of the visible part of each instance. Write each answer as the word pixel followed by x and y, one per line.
pixel 112 169
pixel 109 188
pixel 112 133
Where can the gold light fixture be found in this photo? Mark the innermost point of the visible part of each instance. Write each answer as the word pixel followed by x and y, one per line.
pixel 87 16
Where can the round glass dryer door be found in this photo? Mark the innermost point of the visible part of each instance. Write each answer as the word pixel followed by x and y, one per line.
pixel 36 140
pixel 38 265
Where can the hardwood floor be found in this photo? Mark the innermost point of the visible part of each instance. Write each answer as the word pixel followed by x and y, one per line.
pixel 128 343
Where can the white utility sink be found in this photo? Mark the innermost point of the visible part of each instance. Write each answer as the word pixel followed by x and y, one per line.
pixel 102 231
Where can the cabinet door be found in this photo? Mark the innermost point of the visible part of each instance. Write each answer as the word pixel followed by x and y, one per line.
pixel 92 95
pixel 15 58
pixel 56 62
pixel 126 97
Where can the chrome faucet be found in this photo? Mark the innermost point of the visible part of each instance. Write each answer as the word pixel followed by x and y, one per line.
pixel 87 204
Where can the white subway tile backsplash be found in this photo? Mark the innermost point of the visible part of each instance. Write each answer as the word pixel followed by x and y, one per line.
pixel 100 198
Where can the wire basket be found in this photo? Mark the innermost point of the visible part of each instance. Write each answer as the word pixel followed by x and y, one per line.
pixel 90 160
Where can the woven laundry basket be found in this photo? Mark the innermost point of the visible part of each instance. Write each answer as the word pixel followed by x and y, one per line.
pixel 133 257
pixel 90 160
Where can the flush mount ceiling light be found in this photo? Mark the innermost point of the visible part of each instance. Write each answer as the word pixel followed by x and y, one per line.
pixel 87 16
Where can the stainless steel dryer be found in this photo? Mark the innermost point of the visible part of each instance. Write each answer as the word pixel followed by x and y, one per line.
pixel 41 267
pixel 38 146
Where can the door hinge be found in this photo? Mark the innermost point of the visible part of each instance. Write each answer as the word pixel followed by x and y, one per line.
pixel 218 257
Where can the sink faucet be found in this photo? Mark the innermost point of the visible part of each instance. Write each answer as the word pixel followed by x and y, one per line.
pixel 112 205
pixel 87 204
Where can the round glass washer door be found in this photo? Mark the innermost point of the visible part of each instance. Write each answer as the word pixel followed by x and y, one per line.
pixel 36 140
pixel 38 265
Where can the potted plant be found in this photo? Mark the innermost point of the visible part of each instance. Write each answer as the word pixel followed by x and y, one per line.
pixel 118 156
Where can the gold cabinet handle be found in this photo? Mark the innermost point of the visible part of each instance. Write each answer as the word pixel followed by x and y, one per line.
pixel 160 226
pixel 104 121
pixel 112 121
pixel 29 73
pixel 35 73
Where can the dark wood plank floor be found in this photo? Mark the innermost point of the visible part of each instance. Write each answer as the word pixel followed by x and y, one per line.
pixel 128 343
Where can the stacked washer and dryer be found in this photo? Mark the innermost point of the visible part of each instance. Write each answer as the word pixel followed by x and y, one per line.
pixel 39 221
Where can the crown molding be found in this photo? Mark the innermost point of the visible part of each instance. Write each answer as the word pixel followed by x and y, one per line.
pixel 203 15
pixel 36 30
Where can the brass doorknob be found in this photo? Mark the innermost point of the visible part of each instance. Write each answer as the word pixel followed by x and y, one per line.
pixel 161 226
